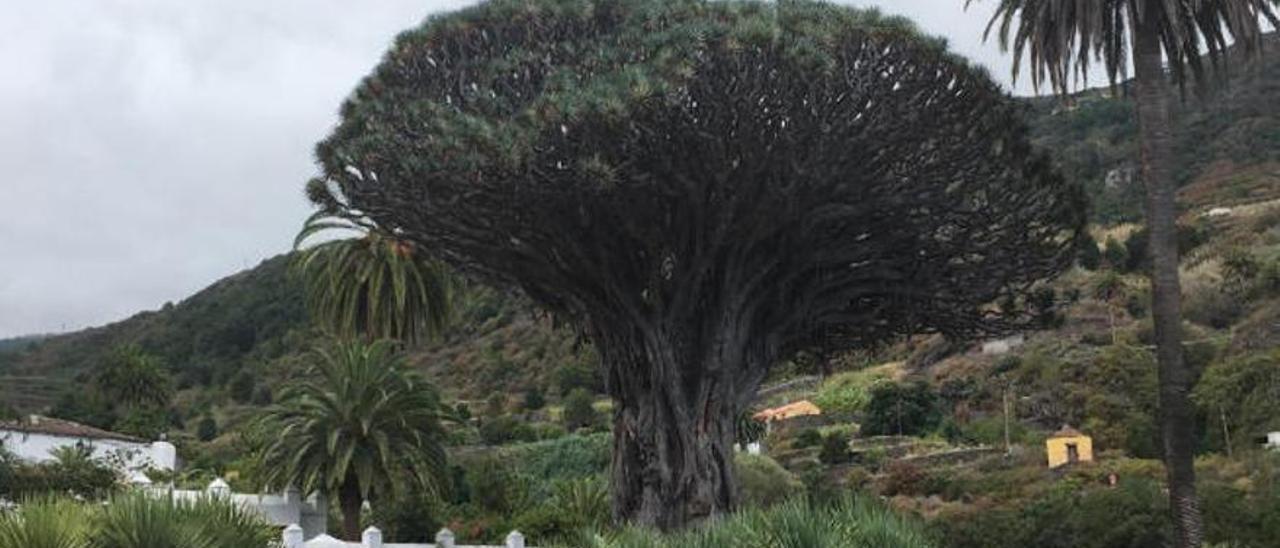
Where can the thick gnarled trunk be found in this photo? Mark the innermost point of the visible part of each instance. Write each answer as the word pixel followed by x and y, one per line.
pixel 1177 416
pixel 674 425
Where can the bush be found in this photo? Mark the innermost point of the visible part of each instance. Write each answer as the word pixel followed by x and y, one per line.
pixel 849 392
pixel 578 375
pixel 764 482
pixel 809 437
pixel 569 457
pixel 73 471
pixel 1133 514
pixel 494 487
pixel 534 399
pixel 506 429
pixel 409 517
pixel 207 429
pixel 835 449
pixel 546 523
pixel 579 410
pixel 1210 306
pixel 905 409
pixel 495 405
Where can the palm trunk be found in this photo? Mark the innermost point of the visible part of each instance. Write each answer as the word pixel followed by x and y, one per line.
pixel 350 503
pixel 1177 417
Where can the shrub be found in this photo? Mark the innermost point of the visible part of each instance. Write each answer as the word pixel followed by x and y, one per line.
pixel 495 405
pixel 809 437
pixel 579 374
pixel 1115 254
pixel 569 457
pixel 534 399
pixel 849 392
pixel 835 449
pixel 764 482
pixel 548 431
pixel 73 471
pixel 545 523
pixel 903 478
pixel 579 410
pixel 207 429
pixel 1089 256
pixel 409 517
pixel 506 429
pixel 1211 306
pixel 905 409
pixel 495 487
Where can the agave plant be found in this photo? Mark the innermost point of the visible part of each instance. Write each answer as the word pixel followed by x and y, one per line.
pixel 45 523
pixel 851 523
pixel 136 521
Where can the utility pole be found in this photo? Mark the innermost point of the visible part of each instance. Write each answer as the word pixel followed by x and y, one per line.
pixel 1007 447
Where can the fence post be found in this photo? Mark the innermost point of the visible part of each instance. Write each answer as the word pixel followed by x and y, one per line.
pixel 292 536
pixel 372 538
pixel 444 539
pixel 515 540
pixel 218 488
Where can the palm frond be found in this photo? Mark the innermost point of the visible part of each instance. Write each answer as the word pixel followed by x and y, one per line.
pixel 1060 39
pixel 370 283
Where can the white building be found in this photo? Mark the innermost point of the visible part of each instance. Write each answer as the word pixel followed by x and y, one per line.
pixel 1273 440
pixel 35 438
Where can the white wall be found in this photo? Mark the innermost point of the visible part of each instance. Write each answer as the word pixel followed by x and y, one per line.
pixel 38 447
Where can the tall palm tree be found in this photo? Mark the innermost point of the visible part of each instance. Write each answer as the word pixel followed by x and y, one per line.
pixel 1060 38
pixel 355 427
pixel 373 285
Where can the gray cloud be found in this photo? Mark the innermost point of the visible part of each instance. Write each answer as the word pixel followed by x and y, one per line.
pixel 151 147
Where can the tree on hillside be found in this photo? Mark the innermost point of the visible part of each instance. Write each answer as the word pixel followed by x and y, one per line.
pixel 352 428
pixel 130 377
pixel 1060 39
pixel 373 284
pixel 703 189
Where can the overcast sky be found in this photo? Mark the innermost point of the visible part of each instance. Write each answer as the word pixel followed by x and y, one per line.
pixel 151 147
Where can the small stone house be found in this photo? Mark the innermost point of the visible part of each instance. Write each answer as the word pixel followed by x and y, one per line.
pixel 1068 446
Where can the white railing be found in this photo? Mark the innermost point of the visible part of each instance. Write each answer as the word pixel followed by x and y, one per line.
pixel 372 538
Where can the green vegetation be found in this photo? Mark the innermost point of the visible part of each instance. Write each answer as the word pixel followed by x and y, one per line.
pixel 73 471
pixel 855 523
pixel 133 521
pixel 372 285
pixel 356 427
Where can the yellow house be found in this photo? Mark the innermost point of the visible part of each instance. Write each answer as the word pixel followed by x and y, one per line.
pixel 1068 446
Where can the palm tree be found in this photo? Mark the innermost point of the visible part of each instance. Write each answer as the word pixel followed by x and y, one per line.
pixel 1062 38
pixel 132 378
pixel 373 285
pixel 354 427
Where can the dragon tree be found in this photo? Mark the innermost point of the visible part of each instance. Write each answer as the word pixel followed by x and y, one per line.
pixel 703 189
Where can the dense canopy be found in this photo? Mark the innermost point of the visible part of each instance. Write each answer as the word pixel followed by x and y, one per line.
pixel 703 187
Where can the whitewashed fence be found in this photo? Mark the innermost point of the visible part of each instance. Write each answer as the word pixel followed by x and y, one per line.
pixel 372 538
pixel 287 508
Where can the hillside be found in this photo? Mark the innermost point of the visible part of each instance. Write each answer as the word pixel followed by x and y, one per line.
pixel 1228 139
pixel 253 323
